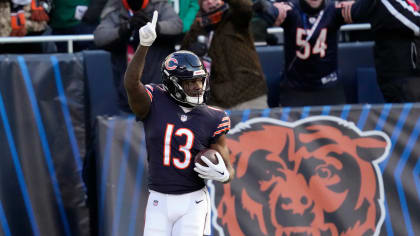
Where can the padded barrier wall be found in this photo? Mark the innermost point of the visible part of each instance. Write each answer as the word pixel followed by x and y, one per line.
pixel 320 170
pixel 44 132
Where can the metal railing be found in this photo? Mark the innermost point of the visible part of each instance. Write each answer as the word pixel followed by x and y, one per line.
pixel 89 37
pixel 349 27
pixel 49 38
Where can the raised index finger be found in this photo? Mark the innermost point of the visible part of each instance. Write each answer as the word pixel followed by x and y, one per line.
pixel 154 19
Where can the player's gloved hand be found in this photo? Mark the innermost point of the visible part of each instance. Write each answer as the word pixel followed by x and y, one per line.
pixel 147 33
pixel 217 172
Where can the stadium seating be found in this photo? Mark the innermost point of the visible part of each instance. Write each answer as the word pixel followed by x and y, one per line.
pixel 351 56
pixel 368 90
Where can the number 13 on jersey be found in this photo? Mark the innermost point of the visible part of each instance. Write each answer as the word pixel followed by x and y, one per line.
pixel 305 48
pixel 186 148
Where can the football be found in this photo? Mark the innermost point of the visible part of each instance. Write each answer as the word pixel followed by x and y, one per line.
pixel 209 153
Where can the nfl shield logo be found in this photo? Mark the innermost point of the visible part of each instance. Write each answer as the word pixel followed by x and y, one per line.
pixel 155 202
pixel 183 118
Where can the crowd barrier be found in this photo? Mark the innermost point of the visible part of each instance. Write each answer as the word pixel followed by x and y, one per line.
pixel 48 104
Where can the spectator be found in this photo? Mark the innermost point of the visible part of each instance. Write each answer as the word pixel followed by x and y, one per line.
pixel 396 27
pixel 66 19
pixel 310 76
pixel 118 31
pixel 236 76
pixel 187 11
pixel 24 18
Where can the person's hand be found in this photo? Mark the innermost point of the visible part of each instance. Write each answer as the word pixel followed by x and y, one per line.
pixel 217 172
pixel 139 19
pixel 283 8
pixel 147 33
pixel 266 10
pixel 345 10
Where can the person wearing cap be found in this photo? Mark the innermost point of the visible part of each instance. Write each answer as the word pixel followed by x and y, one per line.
pixel 236 77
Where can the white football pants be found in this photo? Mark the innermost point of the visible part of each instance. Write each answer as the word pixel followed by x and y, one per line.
pixel 178 214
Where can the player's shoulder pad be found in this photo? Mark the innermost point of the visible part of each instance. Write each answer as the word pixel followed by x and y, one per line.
pixel 152 88
pixel 222 119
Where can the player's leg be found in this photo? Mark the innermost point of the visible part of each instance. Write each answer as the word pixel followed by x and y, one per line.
pixel 157 222
pixel 196 220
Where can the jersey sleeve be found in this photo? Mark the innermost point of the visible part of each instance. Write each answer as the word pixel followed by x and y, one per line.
pixel 361 10
pixel 150 88
pixel 290 16
pixel 404 13
pixel 223 126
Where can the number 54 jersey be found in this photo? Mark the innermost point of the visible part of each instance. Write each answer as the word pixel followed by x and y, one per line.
pixel 174 137
pixel 311 45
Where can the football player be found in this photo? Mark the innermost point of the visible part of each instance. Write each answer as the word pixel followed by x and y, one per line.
pixel 311 28
pixel 178 124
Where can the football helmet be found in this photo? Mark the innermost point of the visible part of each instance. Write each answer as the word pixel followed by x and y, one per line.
pixel 182 66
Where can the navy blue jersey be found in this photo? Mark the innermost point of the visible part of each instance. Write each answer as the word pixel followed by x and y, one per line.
pixel 174 137
pixel 313 63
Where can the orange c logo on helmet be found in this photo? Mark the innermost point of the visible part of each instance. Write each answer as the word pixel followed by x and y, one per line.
pixel 316 176
pixel 171 63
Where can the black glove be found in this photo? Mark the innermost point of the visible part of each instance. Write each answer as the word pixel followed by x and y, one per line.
pixel 93 13
pixel 124 31
pixel 138 20
pixel 200 49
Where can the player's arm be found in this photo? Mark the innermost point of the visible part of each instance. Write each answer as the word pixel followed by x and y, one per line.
pixel 138 98
pixel 223 170
pixel 221 146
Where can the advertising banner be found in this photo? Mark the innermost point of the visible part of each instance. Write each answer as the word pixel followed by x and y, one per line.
pixel 333 170
pixel 342 170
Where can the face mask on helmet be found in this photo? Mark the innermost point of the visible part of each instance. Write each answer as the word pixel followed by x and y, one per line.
pixel 182 67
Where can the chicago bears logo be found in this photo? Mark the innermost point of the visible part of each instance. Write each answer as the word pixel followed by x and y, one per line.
pixel 316 177
pixel 171 63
